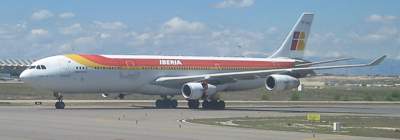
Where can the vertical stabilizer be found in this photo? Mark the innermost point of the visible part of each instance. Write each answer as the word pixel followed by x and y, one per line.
pixel 295 42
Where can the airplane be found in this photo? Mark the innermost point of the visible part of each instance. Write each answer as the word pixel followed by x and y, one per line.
pixel 195 78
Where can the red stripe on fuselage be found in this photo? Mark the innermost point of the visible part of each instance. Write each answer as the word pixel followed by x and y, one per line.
pixel 121 62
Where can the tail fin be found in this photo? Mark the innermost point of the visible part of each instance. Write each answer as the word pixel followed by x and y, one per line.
pixel 295 42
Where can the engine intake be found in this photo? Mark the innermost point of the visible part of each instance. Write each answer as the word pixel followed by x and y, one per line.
pixel 196 91
pixel 277 82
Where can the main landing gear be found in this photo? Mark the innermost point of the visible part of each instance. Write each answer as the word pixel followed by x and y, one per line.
pixel 193 104
pixel 166 102
pixel 207 104
pixel 59 104
pixel 213 104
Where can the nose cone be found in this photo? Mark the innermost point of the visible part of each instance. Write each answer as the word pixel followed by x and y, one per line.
pixel 26 76
pixel 35 79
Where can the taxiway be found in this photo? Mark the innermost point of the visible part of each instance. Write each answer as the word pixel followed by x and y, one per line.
pixel 125 123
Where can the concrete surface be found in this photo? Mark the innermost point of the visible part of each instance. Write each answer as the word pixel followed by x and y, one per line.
pixel 126 123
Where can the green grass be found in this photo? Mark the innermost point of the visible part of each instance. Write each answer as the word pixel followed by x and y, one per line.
pixel 22 91
pixel 339 93
pixel 351 94
pixel 370 126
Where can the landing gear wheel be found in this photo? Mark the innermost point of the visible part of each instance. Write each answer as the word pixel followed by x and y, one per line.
pixel 166 103
pixel 121 96
pixel 159 103
pixel 213 104
pixel 205 104
pixel 220 105
pixel 193 104
pixel 59 104
pixel 174 103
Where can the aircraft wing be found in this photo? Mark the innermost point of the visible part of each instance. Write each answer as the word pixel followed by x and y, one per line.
pixel 223 78
pixel 322 62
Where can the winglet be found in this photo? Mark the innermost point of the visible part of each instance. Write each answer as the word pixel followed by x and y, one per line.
pixel 377 61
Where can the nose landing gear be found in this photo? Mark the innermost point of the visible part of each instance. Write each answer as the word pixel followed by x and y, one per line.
pixel 121 96
pixel 59 104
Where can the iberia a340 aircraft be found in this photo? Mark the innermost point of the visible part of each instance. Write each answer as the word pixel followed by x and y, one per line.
pixel 195 78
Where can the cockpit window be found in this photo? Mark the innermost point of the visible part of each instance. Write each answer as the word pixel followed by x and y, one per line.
pixel 39 67
pixel 42 67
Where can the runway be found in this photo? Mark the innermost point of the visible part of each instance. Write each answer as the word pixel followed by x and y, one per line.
pixel 125 123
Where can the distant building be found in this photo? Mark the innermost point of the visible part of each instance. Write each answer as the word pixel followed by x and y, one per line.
pixel 14 67
pixel 5 76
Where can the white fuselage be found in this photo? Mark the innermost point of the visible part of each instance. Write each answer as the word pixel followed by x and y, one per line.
pixel 77 73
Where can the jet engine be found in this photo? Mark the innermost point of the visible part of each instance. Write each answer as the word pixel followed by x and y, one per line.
pixel 277 82
pixel 196 91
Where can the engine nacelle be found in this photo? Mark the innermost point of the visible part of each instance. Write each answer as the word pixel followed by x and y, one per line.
pixel 277 82
pixel 196 91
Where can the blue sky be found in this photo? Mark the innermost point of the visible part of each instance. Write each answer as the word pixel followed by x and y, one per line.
pixel 357 28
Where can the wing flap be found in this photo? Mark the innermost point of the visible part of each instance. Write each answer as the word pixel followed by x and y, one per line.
pixel 322 62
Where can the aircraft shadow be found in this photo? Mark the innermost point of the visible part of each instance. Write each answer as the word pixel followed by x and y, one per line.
pixel 289 109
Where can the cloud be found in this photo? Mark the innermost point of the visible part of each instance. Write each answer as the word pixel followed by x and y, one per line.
pixel 104 35
pixel 333 53
pixel 174 36
pixel 398 38
pixel 116 25
pixel 272 30
pixel 381 18
pixel 66 15
pixel 384 33
pixel 233 42
pixel 39 32
pixel 234 4
pixel 178 36
pixel 41 14
pixel 323 38
pixel 144 38
pixel 360 41
pixel 254 54
pixel 73 29
pixel 179 25
pixel 9 32
pixel 86 40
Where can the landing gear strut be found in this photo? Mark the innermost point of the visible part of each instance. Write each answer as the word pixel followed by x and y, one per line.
pixel 213 104
pixel 121 96
pixel 166 102
pixel 59 104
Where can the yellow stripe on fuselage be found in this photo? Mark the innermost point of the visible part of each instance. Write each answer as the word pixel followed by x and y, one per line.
pixel 81 60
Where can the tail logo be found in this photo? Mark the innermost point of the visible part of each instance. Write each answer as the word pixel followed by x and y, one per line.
pixel 298 41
